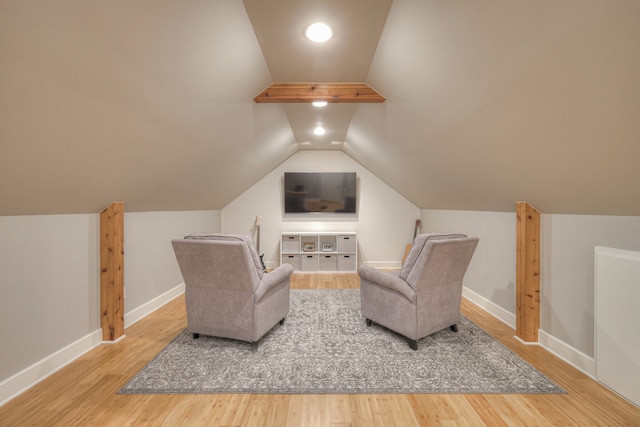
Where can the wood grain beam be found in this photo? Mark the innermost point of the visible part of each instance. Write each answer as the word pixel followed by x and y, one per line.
pixel 112 271
pixel 309 92
pixel 527 272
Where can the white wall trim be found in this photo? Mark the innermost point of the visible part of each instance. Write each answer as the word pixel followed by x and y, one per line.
pixel 27 378
pixel 30 376
pixel 114 341
pixel 527 342
pixel 573 357
pixel 384 265
pixel 490 307
pixel 564 351
pixel 149 307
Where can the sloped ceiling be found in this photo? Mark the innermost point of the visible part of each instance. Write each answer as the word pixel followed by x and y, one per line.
pixel 487 103
pixel 146 102
pixel 493 102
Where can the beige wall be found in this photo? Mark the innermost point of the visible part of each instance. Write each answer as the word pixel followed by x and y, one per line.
pixel 150 264
pixel 567 273
pixel 49 295
pixel 492 270
pixel 50 283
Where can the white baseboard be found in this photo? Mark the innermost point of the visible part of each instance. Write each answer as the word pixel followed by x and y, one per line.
pixel 490 307
pixel 30 376
pixel 120 338
pixel 575 358
pixel 385 265
pixel 16 384
pixel 528 342
pixel 149 307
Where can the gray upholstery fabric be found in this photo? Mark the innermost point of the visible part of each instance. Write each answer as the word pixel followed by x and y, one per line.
pixel 424 297
pixel 227 294
pixel 230 238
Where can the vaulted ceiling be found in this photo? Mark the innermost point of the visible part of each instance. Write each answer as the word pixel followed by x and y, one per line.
pixel 487 103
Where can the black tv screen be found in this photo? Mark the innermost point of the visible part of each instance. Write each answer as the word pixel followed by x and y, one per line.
pixel 319 192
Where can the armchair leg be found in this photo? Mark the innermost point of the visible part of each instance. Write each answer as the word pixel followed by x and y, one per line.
pixel 454 327
pixel 282 321
pixel 196 336
pixel 254 346
pixel 413 344
pixel 369 322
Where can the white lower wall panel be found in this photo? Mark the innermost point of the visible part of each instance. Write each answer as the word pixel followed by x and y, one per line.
pixel 617 353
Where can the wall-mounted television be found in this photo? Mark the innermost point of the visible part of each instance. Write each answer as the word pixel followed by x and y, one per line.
pixel 320 192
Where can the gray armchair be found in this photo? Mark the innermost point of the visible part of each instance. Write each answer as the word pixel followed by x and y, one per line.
pixel 227 293
pixel 424 297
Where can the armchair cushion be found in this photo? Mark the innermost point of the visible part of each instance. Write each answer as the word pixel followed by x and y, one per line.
pixel 271 280
pixel 231 238
pixel 418 246
pixel 389 281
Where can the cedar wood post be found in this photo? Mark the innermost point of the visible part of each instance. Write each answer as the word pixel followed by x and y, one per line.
pixel 112 271
pixel 527 272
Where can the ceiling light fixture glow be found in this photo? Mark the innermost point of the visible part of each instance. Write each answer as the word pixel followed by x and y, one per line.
pixel 319 32
pixel 319 104
pixel 319 131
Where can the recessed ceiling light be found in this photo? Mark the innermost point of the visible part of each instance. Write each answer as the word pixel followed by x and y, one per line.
pixel 319 104
pixel 319 32
pixel 319 131
pixel 336 142
pixel 305 143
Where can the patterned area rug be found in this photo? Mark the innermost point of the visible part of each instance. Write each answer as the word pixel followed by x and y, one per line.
pixel 326 347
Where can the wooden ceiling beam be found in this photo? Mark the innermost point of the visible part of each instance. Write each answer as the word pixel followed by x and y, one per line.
pixel 309 92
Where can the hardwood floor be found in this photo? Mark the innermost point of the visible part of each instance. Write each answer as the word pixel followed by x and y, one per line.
pixel 84 392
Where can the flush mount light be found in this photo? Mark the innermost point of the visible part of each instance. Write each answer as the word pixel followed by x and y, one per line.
pixel 319 130
pixel 319 32
pixel 319 104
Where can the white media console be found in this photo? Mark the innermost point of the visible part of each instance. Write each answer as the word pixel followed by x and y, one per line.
pixel 320 251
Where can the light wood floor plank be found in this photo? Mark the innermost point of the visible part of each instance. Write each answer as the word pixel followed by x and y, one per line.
pixel 84 392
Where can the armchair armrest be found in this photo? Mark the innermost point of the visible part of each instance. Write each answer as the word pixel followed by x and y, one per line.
pixel 273 279
pixel 387 280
